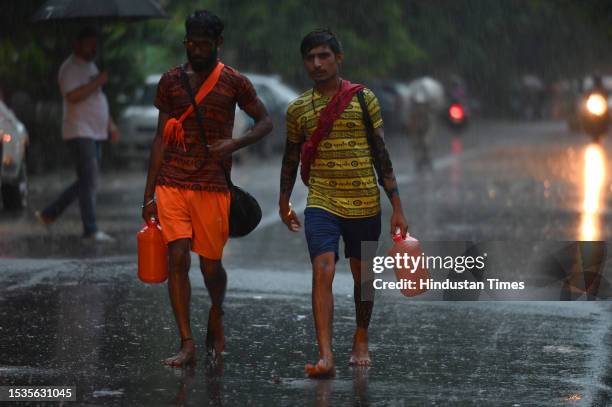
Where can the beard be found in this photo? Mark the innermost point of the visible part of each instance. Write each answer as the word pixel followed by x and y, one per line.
pixel 200 64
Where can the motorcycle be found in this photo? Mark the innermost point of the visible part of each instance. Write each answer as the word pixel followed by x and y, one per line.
pixel 456 117
pixel 595 115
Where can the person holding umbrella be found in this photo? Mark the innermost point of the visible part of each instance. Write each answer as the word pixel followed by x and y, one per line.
pixel 86 123
pixel 186 187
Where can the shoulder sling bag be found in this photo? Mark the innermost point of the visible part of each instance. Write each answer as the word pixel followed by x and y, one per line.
pixel 245 212
pixel 327 117
pixel 331 113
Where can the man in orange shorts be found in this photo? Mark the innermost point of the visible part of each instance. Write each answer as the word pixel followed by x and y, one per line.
pixel 186 187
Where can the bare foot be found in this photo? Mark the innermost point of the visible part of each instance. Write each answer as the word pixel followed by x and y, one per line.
pixel 360 355
pixel 324 369
pixel 186 355
pixel 215 337
pixel 215 367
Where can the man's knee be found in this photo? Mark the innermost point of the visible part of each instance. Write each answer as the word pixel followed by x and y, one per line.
pixel 178 252
pixel 361 270
pixel 323 270
pixel 211 267
pixel 87 173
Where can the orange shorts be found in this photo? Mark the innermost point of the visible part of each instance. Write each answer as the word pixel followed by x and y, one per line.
pixel 201 216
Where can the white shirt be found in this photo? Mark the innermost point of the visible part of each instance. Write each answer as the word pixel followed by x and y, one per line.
pixel 89 117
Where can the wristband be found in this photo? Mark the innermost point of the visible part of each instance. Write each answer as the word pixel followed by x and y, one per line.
pixel 152 201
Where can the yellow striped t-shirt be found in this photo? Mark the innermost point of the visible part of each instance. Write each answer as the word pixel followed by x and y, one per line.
pixel 342 179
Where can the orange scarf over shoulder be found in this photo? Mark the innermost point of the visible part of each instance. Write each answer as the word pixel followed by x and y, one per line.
pixel 173 131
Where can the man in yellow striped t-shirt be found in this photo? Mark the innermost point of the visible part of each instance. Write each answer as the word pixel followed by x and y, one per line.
pixel 343 198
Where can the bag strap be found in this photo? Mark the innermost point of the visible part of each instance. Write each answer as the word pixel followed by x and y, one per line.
pixel 335 107
pixel 200 120
pixel 370 134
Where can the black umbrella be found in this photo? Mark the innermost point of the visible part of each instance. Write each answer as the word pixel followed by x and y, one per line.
pixel 99 10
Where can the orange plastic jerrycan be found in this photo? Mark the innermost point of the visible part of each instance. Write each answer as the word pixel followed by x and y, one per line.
pixel 410 267
pixel 152 254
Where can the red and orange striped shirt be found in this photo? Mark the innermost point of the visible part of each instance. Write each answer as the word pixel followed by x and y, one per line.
pixel 190 168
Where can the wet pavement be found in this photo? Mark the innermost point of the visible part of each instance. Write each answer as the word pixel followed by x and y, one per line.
pixel 74 313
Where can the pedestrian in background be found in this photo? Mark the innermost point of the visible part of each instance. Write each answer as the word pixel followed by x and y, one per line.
pixel 86 123
pixel 419 127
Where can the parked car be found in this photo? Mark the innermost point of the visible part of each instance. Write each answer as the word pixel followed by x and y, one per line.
pixel 276 95
pixel 395 99
pixel 138 121
pixel 389 99
pixel 13 144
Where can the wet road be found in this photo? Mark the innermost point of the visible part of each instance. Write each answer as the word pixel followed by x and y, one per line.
pixel 74 314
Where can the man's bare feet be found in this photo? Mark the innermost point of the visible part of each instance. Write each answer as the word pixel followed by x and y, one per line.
pixel 215 367
pixel 324 369
pixel 360 355
pixel 215 337
pixel 186 355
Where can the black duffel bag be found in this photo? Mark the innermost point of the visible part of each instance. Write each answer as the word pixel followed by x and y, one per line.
pixel 245 212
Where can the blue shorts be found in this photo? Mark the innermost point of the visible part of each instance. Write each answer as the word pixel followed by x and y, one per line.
pixel 323 231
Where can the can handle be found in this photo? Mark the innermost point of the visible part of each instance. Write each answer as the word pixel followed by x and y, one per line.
pixel 397 236
pixel 151 222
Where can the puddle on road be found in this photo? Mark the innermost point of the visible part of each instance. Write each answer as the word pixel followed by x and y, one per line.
pixel 108 340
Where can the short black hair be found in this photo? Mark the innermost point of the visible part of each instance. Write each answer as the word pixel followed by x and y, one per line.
pixel 320 37
pixel 203 23
pixel 87 32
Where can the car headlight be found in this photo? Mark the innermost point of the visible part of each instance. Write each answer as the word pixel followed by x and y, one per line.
pixel 596 104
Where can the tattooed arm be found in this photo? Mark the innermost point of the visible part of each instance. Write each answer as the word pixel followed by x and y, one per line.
pixel 384 168
pixel 291 162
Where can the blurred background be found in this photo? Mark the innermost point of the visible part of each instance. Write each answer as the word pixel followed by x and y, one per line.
pixel 524 59
pixel 495 117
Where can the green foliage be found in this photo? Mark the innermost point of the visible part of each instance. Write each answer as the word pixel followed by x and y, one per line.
pixel 490 43
pixel 264 36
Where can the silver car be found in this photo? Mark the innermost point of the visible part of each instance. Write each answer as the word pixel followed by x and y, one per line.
pixel 13 144
pixel 276 95
pixel 138 122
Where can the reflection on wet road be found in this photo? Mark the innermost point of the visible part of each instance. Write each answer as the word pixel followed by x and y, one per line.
pixel 74 314
pixel 108 333
pixel 594 184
